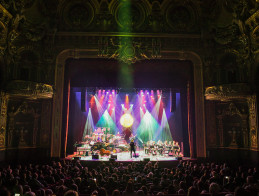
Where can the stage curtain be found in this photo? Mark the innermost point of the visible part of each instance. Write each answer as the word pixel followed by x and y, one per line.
pixel 190 119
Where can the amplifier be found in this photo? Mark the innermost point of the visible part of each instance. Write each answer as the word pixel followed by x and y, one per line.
pixel 95 156
pixel 146 159
pixel 114 156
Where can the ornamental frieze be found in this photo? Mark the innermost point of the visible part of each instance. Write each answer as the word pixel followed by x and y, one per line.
pixel 227 92
pixel 31 90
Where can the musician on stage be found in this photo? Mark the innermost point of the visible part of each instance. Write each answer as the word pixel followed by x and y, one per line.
pixel 177 149
pixel 146 147
pixel 132 148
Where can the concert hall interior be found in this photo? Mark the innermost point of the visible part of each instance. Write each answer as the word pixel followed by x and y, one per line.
pixel 96 89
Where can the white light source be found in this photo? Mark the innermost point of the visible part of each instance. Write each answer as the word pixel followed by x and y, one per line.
pixel 126 120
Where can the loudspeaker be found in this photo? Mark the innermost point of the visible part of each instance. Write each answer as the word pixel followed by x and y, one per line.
pixel 112 159
pixel 179 158
pixel 83 100
pixel 86 153
pixel 146 159
pixel 95 156
pixel 173 100
pixel 76 158
pixel 114 156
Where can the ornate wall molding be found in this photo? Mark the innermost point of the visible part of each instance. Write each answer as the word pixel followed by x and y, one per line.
pixel 228 92
pixel 180 16
pixel 3 118
pixel 232 125
pixel 253 122
pixel 77 14
pixel 21 132
pixel 30 90
pixel 5 18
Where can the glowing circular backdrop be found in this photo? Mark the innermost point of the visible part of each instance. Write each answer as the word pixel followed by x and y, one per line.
pixel 126 120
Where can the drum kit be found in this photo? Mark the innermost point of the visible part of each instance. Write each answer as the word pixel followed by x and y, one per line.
pixel 100 138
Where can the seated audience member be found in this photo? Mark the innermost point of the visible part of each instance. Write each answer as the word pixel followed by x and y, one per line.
pixel 192 191
pixel 71 193
pixel 214 189
pixel 116 192
pixel 129 189
pixel 112 178
pixel 140 193
pixel 102 192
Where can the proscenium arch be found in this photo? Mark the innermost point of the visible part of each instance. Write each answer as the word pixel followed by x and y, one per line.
pixel 84 53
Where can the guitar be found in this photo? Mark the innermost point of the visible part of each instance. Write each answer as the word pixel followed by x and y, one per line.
pixel 133 137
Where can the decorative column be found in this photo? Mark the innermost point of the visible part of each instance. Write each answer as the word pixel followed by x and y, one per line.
pixel 22 134
pixel 45 137
pixel 220 130
pixel 35 128
pixel 190 129
pixel 3 118
pixel 11 115
pixel 233 133
pixel 253 122
pixel 244 132
pixel 58 101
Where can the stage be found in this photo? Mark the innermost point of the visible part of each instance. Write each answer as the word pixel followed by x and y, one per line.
pixel 111 119
pixel 125 157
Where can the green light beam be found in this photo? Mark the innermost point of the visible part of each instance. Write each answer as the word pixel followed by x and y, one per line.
pixel 89 125
pixel 107 122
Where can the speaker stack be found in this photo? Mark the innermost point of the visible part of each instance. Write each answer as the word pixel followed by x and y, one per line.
pixel 173 100
pixel 83 92
pixel 114 156
pixel 146 159
pixel 95 156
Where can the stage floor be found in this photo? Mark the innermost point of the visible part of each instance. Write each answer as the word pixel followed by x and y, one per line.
pixel 125 156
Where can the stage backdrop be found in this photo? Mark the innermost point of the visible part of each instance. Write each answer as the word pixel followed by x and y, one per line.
pixel 157 118
pixel 155 114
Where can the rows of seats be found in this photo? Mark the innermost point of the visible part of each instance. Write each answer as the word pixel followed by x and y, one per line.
pixel 70 177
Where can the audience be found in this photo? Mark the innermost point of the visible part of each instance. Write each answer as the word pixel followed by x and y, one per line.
pixel 70 178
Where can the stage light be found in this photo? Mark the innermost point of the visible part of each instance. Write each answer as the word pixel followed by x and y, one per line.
pixel 126 120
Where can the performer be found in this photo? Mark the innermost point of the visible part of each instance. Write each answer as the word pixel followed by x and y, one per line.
pixel 146 147
pixel 132 148
pixel 177 149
